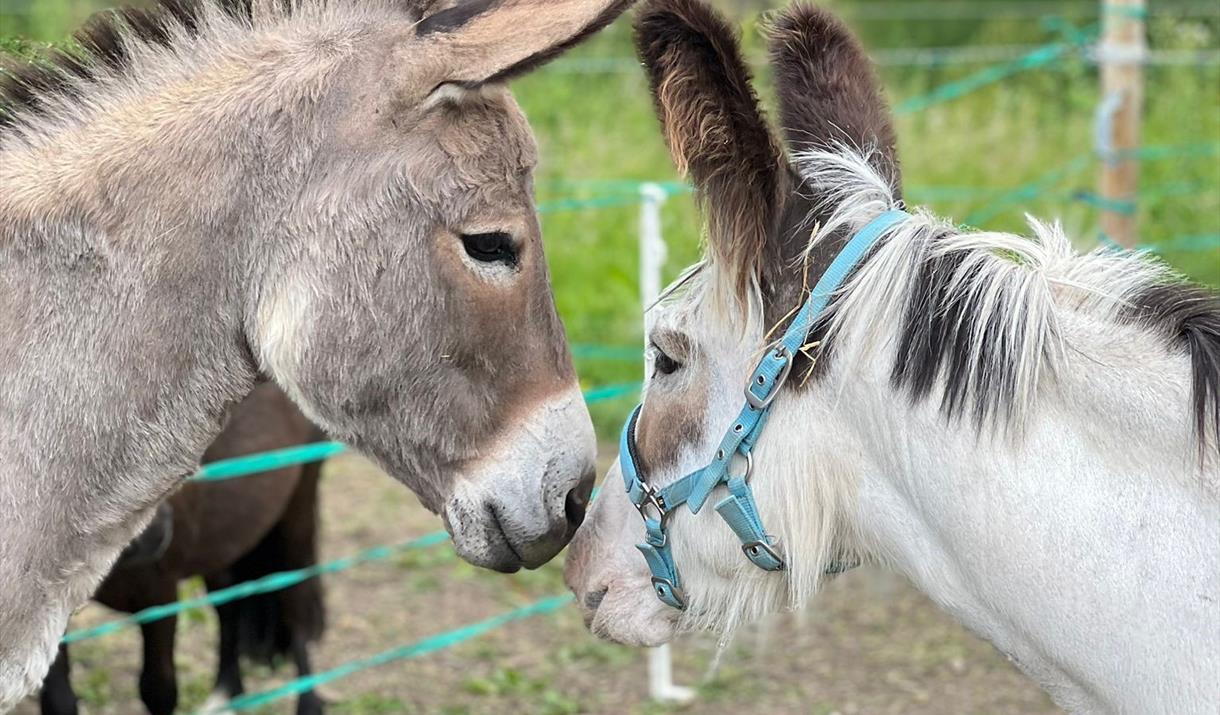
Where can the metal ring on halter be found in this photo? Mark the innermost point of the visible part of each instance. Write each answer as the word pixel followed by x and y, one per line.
pixel 761 403
pixel 749 467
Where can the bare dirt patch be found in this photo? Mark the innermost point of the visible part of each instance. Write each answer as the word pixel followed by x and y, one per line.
pixel 871 644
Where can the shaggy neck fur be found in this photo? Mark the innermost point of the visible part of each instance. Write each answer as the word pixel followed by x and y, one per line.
pixel 1003 421
pixel 112 126
pixel 196 46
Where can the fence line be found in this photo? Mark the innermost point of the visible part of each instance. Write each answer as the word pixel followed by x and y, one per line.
pixel 225 469
pixel 277 459
pixel 1038 57
pixel 267 584
pixel 428 645
pixel 924 57
pixel 943 10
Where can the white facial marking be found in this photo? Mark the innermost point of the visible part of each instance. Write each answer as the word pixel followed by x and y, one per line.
pixel 282 332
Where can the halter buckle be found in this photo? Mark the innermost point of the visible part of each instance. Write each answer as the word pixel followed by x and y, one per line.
pixel 754 549
pixel 652 498
pixel 761 403
pixel 669 594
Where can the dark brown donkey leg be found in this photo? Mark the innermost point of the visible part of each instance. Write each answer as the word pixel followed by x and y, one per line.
pixel 228 673
pixel 285 622
pixel 158 679
pixel 303 606
pixel 57 697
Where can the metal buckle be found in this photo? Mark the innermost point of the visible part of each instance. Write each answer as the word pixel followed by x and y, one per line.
pixel 677 594
pixel 652 498
pixel 761 403
pixel 753 548
pixel 749 466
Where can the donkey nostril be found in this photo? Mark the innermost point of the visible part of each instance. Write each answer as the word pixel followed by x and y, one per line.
pixel 574 507
pixel 594 600
pixel 577 501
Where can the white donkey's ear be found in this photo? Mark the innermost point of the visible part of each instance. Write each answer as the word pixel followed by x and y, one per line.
pixel 493 40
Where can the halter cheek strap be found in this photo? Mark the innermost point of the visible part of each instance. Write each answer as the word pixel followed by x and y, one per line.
pixel 738 508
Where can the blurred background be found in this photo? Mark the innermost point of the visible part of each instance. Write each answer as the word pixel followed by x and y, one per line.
pixel 997 105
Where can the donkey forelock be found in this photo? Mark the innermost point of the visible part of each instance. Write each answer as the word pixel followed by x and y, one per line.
pixel 138 44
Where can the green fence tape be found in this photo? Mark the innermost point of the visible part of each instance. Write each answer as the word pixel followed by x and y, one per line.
pixel 1171 151
pixel 240 466
pixel 1118 206
pixel 224 469
pixel 1187 244
pixel 608 352
pixel 619 186
pixel 431 644
pixel 599 202
pixel 1199 150
pixel 1040 57
pixel 612 391
pixel 266 584
pixel 1029 190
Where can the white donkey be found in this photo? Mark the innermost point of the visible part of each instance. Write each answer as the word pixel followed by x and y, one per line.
pixel 1028 434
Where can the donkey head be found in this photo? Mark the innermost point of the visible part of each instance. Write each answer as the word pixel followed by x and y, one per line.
pixel 406 305
pixel 761 213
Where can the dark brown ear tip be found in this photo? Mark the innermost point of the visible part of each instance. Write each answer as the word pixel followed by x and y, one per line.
pixel 692 27
pixel 805 29
pixel 678 16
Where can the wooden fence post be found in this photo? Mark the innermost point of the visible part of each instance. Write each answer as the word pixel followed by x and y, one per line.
pixel 1121 55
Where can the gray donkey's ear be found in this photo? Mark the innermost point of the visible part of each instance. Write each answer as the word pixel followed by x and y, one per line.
pixel 495 40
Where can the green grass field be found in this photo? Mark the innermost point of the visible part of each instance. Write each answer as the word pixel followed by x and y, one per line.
pixel 1019 145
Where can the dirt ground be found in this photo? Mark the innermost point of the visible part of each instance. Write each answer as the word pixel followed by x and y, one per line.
pixel 871 643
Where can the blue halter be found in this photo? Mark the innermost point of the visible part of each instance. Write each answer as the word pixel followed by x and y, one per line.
pixel 738 509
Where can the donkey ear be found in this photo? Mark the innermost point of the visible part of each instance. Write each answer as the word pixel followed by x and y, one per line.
pixel 828 92
pixel 715 129
pixel 495 40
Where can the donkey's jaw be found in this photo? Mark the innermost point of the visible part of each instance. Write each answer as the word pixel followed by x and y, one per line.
pixel 520 503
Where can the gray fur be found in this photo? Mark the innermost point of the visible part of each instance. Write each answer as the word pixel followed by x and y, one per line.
pixel 279 200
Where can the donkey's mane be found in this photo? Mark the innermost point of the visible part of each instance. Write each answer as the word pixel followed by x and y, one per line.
pixel 980 314
pixel 103 48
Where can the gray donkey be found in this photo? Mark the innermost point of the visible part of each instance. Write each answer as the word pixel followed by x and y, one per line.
pixel 335 195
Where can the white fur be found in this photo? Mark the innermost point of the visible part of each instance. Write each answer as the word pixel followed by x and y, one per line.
pixel 1086 547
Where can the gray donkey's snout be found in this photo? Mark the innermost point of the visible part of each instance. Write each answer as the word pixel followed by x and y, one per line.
pixel 520 505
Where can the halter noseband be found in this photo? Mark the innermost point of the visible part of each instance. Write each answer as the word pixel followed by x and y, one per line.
pixel 738 509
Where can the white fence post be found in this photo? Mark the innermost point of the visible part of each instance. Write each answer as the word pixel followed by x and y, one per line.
pixel 652 258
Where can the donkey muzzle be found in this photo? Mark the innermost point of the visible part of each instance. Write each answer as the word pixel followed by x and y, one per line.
pixel 521 503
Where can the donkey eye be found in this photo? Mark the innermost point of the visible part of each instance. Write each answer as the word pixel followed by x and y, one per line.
pixel 494 247
pixel 664 364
